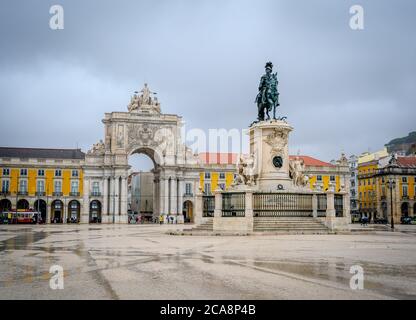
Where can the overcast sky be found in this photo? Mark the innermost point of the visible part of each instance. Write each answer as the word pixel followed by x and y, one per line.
pixel 342 90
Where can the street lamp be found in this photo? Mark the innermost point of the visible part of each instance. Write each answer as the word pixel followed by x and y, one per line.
pixel 391 184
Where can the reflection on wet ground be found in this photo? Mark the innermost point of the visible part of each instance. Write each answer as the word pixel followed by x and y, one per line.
pixel 116 262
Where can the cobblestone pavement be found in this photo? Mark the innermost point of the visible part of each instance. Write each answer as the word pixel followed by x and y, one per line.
pixel 143 262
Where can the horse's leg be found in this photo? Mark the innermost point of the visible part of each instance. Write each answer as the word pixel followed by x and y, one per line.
pixel 267 113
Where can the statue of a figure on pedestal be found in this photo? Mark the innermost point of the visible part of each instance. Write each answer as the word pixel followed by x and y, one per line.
pixel 268 96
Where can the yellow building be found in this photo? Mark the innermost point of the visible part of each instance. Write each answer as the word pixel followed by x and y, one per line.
pixel 49 181
pixel 395 187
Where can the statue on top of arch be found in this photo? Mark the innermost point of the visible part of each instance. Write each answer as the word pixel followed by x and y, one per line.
pixel 146 101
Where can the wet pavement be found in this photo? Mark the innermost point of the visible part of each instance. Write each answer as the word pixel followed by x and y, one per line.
pixel 143 262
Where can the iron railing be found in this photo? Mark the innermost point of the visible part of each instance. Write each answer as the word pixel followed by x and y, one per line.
pixel 322 205
pixel 233 204
pixel 339 205
pixel 282 205
pixel 208 206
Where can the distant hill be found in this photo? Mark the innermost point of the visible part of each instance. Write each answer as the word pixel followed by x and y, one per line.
pixel 406 145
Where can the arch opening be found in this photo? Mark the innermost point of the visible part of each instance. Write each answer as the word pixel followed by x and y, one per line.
pixel 57 208
pixel 5 205
pixel 140 186
pixel 74 210
pixel 40 206
pixel 188 211
pixel 95 211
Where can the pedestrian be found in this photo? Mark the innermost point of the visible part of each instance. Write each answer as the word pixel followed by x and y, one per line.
pixel 160 219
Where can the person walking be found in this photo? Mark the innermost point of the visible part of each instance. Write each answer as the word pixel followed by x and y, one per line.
pixel 160 219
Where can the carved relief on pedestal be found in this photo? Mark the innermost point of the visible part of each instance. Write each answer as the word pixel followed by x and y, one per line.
pixel 277 140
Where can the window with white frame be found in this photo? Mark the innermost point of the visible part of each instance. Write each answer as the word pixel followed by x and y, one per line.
pixel 74 187
pixel 58 186
pixel 188 188
pixel 23 186
pixel 5 186
pixel 6 172
pixel 95 187
pixel 405 191
pixel 207 175
pixel 23 172
pixel 75 173
pixel 207 188
pixel 222 175
pixel 41 173
pixel 332 178
pixel 404 179
pixel 58 173
pixel 40 186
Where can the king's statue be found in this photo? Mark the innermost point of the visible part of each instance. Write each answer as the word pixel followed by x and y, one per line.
pixel 268 97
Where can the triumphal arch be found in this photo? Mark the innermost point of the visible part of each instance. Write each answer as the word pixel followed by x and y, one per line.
pixel 142 128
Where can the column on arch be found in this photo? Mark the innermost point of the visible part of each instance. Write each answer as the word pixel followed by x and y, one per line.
pixel 156 197
pixel 123 197
pixel 173 196
pixel 105 196
pixel 116 182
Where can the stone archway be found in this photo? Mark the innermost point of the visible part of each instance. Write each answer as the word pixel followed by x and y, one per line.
pixel 22 204
pixel 57 211
pixel 5 205
pixel 188 211
pixel 405 209
pixel 40 206
pixel 95 211
pixel 143 129
pixel 74 210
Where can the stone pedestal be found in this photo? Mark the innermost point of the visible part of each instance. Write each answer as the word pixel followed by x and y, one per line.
pixel 269 144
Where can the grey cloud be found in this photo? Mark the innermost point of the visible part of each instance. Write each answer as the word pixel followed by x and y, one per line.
pixel 341 89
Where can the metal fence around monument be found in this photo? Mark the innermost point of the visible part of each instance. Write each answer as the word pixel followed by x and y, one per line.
pixel 233 204
pixel 208 206
pixel 322 205
pixel 339 205
pixel 282 205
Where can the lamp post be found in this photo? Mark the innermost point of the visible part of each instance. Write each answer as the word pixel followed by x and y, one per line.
pixel 391 184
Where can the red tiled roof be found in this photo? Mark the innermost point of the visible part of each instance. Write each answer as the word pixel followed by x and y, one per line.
pixel 406 162
pixel 312 162
pixel 231 158
pixel 218 158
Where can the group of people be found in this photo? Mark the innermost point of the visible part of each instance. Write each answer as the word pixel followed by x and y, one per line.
pixel 169 219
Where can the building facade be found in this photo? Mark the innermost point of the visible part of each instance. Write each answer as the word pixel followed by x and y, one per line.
pixel 70 186
pixel 354 200
pixel 49 181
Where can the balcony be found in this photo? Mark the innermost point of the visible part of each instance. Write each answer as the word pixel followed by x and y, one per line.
pixel 5 193
pixel 40 194
pixel 57 194
pixel 187 194
pixel 405 197
pixel 95 194
pixel 74 194
pixel 22 193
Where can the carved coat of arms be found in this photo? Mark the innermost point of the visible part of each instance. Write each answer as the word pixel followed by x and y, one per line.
pixel 277 140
